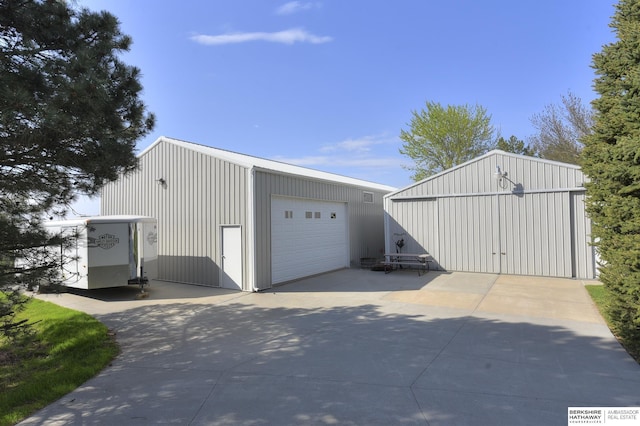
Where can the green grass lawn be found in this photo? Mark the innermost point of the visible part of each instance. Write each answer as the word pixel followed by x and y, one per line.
pixel 68 348
pixel 599 295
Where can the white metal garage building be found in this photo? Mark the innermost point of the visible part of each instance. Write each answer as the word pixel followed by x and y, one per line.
pixel 498 213
pixel 236 221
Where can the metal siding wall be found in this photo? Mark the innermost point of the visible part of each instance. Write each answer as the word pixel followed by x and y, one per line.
pixel 466 231
pixel 584 252
pixel 528 235
pixel 445 260
pixel 540 232
pixel 535 234
pixel 481 241
pixel 448 225
pixel 476 177
pixel 366 225
pixel 417 223
pixel 562 233
pixel 201 194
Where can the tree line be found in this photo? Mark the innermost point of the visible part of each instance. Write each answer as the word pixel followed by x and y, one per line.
pixel 440 137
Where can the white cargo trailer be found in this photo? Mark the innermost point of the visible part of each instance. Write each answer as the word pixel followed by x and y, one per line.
pixel 108 251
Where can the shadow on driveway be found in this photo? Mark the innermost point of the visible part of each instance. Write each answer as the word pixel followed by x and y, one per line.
pixel 245 361
pixel 362 281
pixel 158 290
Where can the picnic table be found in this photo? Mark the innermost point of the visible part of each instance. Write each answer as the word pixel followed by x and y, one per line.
pixel 393 261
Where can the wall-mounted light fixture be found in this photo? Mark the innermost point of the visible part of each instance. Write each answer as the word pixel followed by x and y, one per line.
pixel 162 182
pixel 500 176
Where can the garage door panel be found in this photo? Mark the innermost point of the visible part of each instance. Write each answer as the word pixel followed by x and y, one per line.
pixel 468 243
pixel 307 237
pixel 523 234
pixel 535 234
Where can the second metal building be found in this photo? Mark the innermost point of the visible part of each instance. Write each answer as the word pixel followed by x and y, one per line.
pixel 498 213
pixel 242 222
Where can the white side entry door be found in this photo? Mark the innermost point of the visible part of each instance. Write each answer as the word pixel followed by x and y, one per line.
pixel 231 268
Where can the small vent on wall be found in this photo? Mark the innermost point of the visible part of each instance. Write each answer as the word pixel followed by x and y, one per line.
pixel 367 197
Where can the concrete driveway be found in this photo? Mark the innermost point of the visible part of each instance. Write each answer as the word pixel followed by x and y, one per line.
pixel 353 347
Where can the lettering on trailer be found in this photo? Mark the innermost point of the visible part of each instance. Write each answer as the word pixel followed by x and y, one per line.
pixel 152 237
pixel 107 241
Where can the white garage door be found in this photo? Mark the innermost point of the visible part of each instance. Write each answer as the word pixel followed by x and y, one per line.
pixel 307 237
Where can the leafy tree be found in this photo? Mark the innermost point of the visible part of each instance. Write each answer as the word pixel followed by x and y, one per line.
pixel 516 146
pixel 611 159
pixel 439 138
pixel 561 128
pixel 70 116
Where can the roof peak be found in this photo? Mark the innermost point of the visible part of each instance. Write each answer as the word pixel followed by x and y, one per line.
pixel 251 161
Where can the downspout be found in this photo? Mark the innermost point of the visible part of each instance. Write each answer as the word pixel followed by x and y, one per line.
pixel 251 232
pixel 385 208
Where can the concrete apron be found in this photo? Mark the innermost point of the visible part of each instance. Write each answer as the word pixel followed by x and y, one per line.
pixel 535 297
pixel 353 347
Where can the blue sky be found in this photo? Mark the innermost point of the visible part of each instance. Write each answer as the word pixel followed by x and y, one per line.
pixel 330 84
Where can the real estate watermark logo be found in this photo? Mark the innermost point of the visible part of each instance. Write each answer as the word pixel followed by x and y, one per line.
pixel 106 241
pixel 625 416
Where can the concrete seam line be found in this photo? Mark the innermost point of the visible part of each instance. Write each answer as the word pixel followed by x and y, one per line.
pixel 204 401
pixel 467 318
pixel 485 295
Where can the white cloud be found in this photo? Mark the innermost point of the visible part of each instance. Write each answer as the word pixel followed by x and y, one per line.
pixel 291 36
pixel 295 7
pixel 374 158
pixel 377 151
pixel 341 161
pixel 361 145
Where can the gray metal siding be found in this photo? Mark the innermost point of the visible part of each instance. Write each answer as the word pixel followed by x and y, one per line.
pixel 416 223
pixel 201 194
pixel 366 229
pixel 535 224
pixel 453 230
pixel 466 234
pixel 535 235
pixel 585 253
pixel 477 177
pixel 524 235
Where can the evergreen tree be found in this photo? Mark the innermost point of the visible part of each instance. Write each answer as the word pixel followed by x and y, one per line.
pixel 70 117
pixel 611 160
pixel 516 146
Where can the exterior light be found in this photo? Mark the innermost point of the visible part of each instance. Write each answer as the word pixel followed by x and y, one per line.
pixel 499 176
